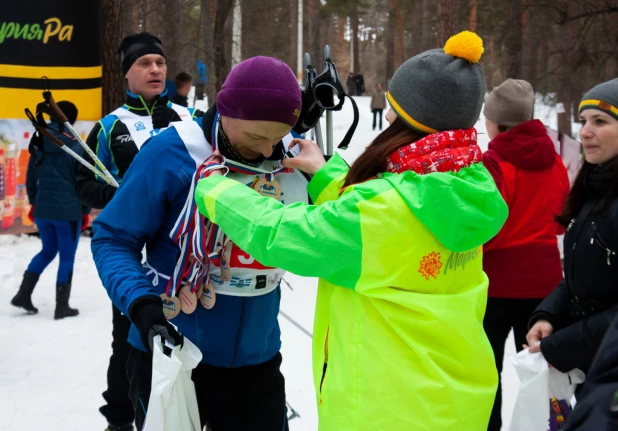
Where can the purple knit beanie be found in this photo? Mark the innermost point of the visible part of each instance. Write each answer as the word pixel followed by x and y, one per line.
pixel 261 89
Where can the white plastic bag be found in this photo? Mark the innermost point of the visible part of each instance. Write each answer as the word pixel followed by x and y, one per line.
pixel 172 405
pixel 544 399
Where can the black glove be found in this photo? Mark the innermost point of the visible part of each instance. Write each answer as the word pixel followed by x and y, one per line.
pixel 147 315
pixel 162 116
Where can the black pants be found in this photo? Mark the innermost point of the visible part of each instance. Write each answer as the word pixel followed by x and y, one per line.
pixel 378 113
pixel 119 408
pixel 503 314
pixel 229 399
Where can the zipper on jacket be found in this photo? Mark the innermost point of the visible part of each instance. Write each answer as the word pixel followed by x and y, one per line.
pixel 242 314
pixel 602 244
pixel 570 225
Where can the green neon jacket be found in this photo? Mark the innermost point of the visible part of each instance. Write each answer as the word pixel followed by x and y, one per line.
pixel 398 334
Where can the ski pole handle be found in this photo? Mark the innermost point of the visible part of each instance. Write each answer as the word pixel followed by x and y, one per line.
pixel 55 108
pixel 58 113
pixel 72 153
pixel 326 53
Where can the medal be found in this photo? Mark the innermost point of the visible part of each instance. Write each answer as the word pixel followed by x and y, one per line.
pixel 268 188
pixel 188 299
pixel 171 306
pixel 208 297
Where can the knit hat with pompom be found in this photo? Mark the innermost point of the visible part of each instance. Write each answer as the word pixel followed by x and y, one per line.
pixel 441 89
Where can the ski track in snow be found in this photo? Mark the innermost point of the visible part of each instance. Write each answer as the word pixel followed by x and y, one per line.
pixel 52 373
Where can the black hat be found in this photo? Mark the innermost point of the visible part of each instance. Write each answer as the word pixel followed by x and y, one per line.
pixel 136 45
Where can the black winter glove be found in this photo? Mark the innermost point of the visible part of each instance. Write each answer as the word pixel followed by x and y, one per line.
pixel 162 116
pixel 147 315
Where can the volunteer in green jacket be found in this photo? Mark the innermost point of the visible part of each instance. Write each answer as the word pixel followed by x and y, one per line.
pixel 396 240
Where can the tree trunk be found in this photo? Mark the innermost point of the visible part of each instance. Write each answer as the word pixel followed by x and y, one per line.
pixel 354 25
pixel 292 58
pixel 472 20
pixel 316 43
pixel 542 58
pixel 111 33
pixel 427 39
pixel 128 13
pixel 390 39
pixel 414 17
pixel 532 41
pixel 399 47
pixel 206 48
pixel 491 67
pixel 564 90
pixel 224 7
pixel 236 33
pixel 514 43
pixel 448 19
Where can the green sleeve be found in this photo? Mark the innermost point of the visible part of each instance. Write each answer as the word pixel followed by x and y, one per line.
pixel 326 183
pixel 309 240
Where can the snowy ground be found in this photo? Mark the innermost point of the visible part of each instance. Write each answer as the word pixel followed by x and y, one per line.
pixel 52 373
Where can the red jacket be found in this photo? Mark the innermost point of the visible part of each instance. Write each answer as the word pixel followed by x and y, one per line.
pixel 523 260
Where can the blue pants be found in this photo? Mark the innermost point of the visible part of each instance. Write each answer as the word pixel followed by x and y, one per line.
pixel 57 236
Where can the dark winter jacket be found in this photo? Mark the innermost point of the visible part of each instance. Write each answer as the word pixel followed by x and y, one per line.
pixel 180 100
pixel 360 84
pixel 113 144
pixel 51 186
pixel 597 404
pixel 523 260
pixel 582 306
pixel 351 84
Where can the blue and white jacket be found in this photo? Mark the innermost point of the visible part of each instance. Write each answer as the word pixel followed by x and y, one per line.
pixel 116 139
pixel 242 328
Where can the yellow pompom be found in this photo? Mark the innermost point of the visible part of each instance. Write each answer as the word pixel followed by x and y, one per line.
pixel 465 45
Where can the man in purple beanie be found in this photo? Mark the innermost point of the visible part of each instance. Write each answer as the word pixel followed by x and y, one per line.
pixel 230 311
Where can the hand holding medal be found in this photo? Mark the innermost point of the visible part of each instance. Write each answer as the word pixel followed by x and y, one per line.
pixel 310 160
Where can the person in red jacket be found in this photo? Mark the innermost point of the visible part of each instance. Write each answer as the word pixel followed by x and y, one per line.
pixel 523 260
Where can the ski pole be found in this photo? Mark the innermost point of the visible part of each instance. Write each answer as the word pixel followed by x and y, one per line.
pixel 329 113
pixel 60 115
pixel 318 135
pixel 311 74
pixel 66 149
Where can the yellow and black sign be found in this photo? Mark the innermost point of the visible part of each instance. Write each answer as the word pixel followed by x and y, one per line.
pixel 57 39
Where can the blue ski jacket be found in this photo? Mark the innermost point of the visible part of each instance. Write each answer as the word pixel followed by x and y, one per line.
pixel 239 330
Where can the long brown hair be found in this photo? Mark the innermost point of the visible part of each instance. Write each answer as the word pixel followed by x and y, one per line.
pixel 579 195
pixel 372 161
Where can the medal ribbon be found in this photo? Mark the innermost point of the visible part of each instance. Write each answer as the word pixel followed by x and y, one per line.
pixel 240 167
pixel 202 242
pixel 197 237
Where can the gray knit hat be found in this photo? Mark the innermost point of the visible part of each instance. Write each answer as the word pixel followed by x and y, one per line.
pixel 441 89
pixel 603 97
pixel 510 104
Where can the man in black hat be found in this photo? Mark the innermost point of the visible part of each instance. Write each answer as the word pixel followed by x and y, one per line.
pixel 116 139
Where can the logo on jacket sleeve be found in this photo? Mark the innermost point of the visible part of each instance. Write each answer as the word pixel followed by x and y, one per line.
pixel 430 265
pixel 139 126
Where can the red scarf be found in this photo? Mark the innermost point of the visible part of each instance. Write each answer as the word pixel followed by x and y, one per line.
pixel 447 151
